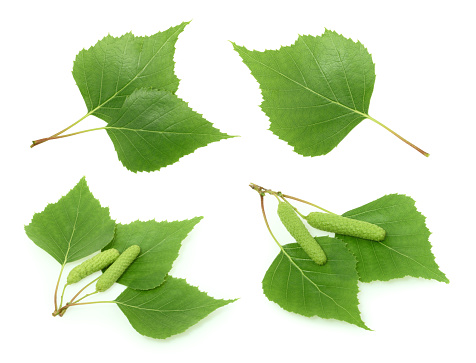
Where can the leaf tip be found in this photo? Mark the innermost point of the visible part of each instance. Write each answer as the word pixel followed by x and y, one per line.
pixel 197 219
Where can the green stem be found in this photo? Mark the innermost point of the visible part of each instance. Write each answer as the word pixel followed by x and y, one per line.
pixel 92 302
pixel 62 310
pixel 295 209
pixel 267 224
pixel 40 141
pixel 62 294
pixel 305 202
pixel 84 288
pixel 85 296
pixel 397 135
pixel 57 285
pixel 58 136
pixel 262 191
pixel 274 238
pixel 72 125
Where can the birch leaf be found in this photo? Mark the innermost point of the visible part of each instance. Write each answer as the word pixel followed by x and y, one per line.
pixel 169 309
pixel 155 128
pixel 315 91
pixel 130 83
pixel 109 71
pixel 298 284
pixel 406 249
pixel 72 228
pixel 159 244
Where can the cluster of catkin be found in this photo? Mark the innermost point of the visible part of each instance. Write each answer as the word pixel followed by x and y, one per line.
pixel 118 265
pixel 326 222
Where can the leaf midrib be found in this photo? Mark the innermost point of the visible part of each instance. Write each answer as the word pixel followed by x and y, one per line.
pixel 170 236
pixel 136 76
pixel 163 311
pixel 74 227
pixel 155 131
pixel 415 261
pixel 307 88
pixel 316 286
pixel 438 273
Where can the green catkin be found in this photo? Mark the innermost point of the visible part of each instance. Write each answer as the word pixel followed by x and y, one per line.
pixel 346 226
pixel 112 274
pixel 298 230
pixel 94 264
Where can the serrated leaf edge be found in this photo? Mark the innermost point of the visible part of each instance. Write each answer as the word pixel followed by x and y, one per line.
pixel 225 302
pixel 220 136
pixel 323 293
pixel 180 29
pixel 445 280
pixel 49 205
pixel 364 116
pixel 160 222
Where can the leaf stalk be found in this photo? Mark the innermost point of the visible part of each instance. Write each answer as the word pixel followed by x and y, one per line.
pixel 262 191
pixel 59 136
pixel 400 137
pixel 62 309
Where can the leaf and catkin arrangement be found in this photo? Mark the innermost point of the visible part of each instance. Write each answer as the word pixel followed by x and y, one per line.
pixel 129 82
pixel 318 276
pixel 316 90
pixel 138 255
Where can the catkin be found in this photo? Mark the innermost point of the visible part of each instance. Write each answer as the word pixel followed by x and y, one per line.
pixel 298 230
pixel 92 265
pixel 112 274
pixel 345 226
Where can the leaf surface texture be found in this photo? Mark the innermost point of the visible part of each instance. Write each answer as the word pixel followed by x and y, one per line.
pixel 159 243
pixel 155 128
pixel 405 251
pixel 129 82
pixel 72 228
pixel 167 310
pixel 298 284
pixel 314 91
pixel 109 71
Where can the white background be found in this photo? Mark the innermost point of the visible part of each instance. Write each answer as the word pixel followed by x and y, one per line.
pixel 424 56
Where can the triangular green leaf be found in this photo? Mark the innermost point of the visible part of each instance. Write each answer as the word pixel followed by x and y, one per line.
pixel 314 91
pixel 405 251
pixel 169 309
pixel 113 68
pixel 159 242
pixel 72 228
pixel 155 128
pixel 298 284
pixel 130 83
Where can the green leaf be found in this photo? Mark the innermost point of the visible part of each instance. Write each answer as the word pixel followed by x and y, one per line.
pixel 113 68
pixel 315 91
pixel 72 228
pixel 129 82
pixel 155 128
pixel 169 309
pixel 159 242
pixel 298 284
pixel 405 251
